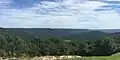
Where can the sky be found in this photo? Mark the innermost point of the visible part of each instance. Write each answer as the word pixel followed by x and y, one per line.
pixel 75 14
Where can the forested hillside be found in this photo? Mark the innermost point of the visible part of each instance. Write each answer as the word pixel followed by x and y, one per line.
pixel 40 42
pixel 45 33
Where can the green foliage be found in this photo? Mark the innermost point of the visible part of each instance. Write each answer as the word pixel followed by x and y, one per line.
pixel 16 46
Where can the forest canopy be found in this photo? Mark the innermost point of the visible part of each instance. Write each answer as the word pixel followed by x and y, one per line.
pixel 30 42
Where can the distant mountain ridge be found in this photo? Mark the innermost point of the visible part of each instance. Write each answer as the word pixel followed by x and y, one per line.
pixel 45 33
pixel 109 30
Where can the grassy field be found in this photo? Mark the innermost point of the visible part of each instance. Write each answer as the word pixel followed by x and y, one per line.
pixel 83 58
pixel 95 58
pixel 113 57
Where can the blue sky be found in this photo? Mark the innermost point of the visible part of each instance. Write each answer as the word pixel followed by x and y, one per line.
pixel 78 14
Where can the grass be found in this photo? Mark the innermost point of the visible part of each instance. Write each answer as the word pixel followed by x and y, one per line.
pixel 96 58
pixel 113 57
pixel 89 58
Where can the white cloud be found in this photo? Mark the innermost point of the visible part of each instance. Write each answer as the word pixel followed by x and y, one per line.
pixel 109 19
pixel 66 14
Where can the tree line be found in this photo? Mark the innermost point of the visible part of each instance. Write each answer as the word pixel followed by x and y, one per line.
pixel 17 47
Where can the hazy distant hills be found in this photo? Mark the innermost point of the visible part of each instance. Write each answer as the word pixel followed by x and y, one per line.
pixel 45 33
pixel 110 30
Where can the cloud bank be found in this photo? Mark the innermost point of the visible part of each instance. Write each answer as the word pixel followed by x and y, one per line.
pixel 80 14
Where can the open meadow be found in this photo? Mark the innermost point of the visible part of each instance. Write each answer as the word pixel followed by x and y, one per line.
pixel 82 58
pixel 113 57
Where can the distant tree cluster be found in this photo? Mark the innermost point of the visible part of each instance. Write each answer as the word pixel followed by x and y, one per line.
pixel 16 47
